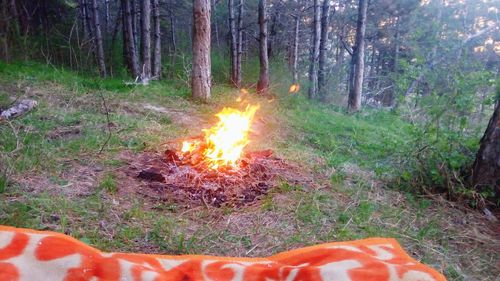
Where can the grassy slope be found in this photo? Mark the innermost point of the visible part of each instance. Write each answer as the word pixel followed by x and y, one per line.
pixel 349 155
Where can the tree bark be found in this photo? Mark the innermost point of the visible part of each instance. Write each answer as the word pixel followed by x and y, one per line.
pixel 129 41
pixel 233 44
pixel 146 40
pixel 313 67
pixel 271 35
pixel 133 10
pixel 98 40
pixel 295 73
pixel 323 48
pixel 88 19
pixel 107 17
pixel 200 76
pixel 157 41
pixel 215 22
pixel 240 44
pixel 172 30
pixel 83 15
pixel 263 83
pixel 358 59
pixel 486 168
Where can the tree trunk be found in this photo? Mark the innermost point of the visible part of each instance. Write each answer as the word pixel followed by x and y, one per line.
pixel 129 41
pixel 107 18
pixel 98 40
pixel 339 66
pixel 83 15
pixel 295 73
pixel 389 100
pixel 172 31
pixel 215 22
pixel 240 43
pixel 200 76
pixel 358 59
pixel 233 44
pixel 173 41
pixel 263 83
pixel 157 41
pixel 88 19
pixel 486 168
pixel 146 40
pixel 313 68
pixel 271 35
pixel 133 10
pixel 323 48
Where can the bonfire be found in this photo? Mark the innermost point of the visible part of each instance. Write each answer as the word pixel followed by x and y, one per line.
pixel 223 144
pixel 214 168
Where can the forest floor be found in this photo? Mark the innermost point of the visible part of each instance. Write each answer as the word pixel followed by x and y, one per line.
pixel 59 181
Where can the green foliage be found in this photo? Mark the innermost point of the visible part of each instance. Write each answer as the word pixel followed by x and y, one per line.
pixel 31 71
pixel 108 183
pixel 4 181
pixel 368 139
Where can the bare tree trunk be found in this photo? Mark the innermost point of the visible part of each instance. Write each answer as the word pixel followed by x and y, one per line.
pixel 173 41
pixel 272 33
pixel 146 40
pixel 106 10
pixel 233 44
pixel 200 76
pixel 339 66
pixel 313 68
pixel 111 48
pixel 133 10
pixel 5 31
pixel 157 41
pixel 98 40
pixel 486 168
pixel 358 59
pixel 323 48
pixel 240 44
pixel 263 83
pixel 88 19
pixel 389 101
pixel 172 30
pixel 295 72
pixel 129 44
pixel 215 22
pixel 83 15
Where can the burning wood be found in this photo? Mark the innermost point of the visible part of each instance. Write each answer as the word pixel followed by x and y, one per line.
pixel 222 145
pixel 213 168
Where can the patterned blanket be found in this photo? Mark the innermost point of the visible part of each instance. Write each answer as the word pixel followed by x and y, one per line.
pixel 38 255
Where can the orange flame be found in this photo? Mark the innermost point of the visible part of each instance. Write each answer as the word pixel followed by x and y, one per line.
pixel 294 88
pixel 224 142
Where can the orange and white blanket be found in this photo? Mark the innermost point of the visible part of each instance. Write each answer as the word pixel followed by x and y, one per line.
pixel 38 255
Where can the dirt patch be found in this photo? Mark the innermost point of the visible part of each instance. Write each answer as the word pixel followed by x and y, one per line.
pixel 77 180
pixel 157 176
pixel 185 118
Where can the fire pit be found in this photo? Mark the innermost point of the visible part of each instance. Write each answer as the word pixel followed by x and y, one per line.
pixel 213 169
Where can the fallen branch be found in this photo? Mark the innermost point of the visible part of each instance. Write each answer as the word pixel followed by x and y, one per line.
pixel 17 110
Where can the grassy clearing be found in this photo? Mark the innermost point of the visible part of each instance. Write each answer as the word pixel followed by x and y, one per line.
pixel 58 181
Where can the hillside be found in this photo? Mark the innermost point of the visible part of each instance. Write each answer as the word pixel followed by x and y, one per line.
pixel 56 178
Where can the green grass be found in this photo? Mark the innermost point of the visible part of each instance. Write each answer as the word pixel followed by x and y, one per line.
pixel 350 158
